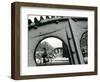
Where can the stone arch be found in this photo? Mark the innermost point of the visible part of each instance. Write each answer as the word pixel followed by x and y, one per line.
pixel 65 48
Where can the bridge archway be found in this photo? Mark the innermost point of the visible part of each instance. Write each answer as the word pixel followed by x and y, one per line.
pixel 55 51
pixel 64 28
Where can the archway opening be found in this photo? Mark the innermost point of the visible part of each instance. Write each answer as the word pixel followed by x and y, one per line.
pixel 84 46
pixel 51 51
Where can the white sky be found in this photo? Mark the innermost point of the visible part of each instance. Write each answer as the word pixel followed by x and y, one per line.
pixel 53 42
pixel 32 17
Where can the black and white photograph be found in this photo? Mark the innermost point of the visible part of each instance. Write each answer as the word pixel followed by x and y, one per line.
pixel 50 40
pixel 57 40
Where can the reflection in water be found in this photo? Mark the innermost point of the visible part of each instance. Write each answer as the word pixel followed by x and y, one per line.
pixel 52 51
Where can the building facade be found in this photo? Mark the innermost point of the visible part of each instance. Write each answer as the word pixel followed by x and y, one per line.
pixel 72 31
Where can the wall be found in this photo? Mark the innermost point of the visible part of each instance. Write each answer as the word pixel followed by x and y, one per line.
pixel 5 40
pixel 34 38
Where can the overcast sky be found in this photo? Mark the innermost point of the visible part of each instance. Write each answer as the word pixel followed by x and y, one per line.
pixel 55 42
